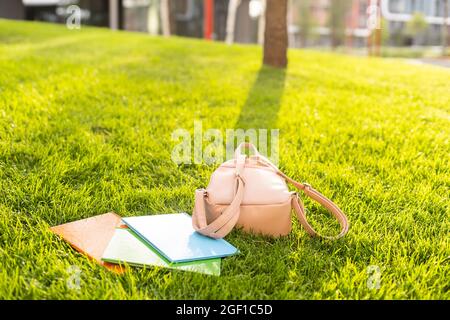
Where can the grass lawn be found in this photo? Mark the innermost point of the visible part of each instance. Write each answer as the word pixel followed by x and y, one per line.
pixel 86 119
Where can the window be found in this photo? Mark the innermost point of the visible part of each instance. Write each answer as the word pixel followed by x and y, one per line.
pixel 428 7
pixel 362 14
pixel 417 6
pixel 398 6
pixel 439 8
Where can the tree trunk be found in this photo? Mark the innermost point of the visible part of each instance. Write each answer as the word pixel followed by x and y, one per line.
pixel 445 29
pixel 336 21
pixel 262 23
pixel 168 25
pixel 231 20
pixel 275 35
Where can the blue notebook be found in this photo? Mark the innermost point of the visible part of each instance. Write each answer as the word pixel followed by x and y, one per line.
pixel 173 236
pixel 126 247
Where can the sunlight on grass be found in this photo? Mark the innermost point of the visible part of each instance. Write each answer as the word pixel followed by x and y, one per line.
pixel 85 128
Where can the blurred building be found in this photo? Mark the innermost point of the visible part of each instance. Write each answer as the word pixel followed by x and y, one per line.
pixel 394 13
pixel 309 21
pixel 93 12
pixel 397 13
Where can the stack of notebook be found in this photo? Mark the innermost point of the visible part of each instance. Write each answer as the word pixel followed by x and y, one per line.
pixel 165 240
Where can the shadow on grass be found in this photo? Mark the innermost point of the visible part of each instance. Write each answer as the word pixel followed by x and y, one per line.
pixel 260 110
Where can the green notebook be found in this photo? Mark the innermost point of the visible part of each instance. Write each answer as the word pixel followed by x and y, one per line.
pixel 126 247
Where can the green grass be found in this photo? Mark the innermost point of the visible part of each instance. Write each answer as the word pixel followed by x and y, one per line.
pixel 85 128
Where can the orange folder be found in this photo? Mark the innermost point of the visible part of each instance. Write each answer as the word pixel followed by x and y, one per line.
pixel 91 236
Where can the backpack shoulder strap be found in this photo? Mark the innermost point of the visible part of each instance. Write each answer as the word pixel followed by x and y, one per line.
pixel 221 226
pixel 312 193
